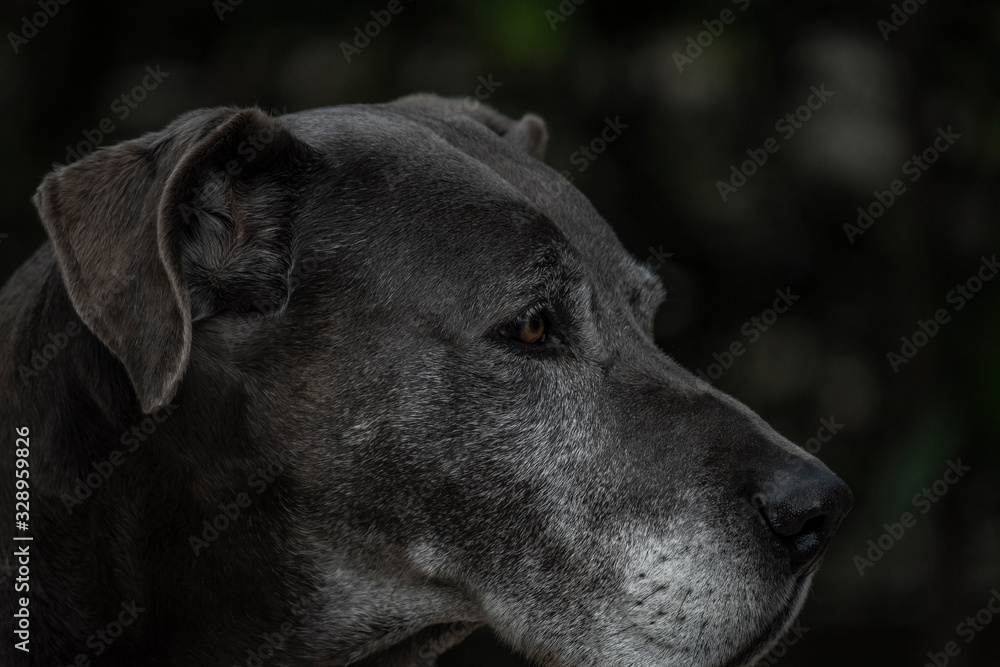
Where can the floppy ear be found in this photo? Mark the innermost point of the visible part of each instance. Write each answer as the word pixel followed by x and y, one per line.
pixel 126 222
pixel 529 134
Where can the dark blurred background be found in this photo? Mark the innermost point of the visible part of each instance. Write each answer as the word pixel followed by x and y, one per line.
pixel 657 184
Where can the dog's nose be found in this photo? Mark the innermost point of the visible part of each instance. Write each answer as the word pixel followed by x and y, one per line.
pixel 803 506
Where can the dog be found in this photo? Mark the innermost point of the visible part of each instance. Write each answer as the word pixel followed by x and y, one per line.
pixel 341 386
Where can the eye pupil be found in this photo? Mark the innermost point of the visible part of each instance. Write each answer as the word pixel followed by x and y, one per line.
pixel 529 328
pixel 532 329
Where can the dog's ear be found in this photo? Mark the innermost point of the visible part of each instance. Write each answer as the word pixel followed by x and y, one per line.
pixel 528 134
pixel 148 228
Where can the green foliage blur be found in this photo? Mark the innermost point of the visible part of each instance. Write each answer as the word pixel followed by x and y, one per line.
pixel 686 122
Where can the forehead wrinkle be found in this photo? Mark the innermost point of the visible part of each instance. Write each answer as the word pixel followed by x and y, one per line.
pixel 554 272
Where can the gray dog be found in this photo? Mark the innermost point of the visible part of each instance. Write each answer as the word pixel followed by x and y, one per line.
pixel 338 387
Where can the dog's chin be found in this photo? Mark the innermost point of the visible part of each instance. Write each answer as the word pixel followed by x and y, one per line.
pixel 775 630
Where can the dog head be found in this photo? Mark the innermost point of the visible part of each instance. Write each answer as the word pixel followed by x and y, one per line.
pixel 456 354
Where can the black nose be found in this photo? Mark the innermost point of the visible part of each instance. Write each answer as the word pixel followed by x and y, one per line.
pixel 803 503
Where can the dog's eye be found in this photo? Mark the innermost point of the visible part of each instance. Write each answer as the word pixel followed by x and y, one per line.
pixel 529 328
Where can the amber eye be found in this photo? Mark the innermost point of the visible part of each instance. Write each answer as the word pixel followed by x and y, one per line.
pixel 526 329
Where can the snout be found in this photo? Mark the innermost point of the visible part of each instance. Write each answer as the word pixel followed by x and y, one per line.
pixel 803 503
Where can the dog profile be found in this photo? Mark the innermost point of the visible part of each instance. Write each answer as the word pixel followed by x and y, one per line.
pixel 344 385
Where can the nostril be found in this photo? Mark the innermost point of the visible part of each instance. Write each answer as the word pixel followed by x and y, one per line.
pixel 804 537
pixel 812 535
pixel 788 521
pixel 804 514
pixel 815 525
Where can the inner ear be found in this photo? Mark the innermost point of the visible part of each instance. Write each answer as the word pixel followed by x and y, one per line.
pixel 233 219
